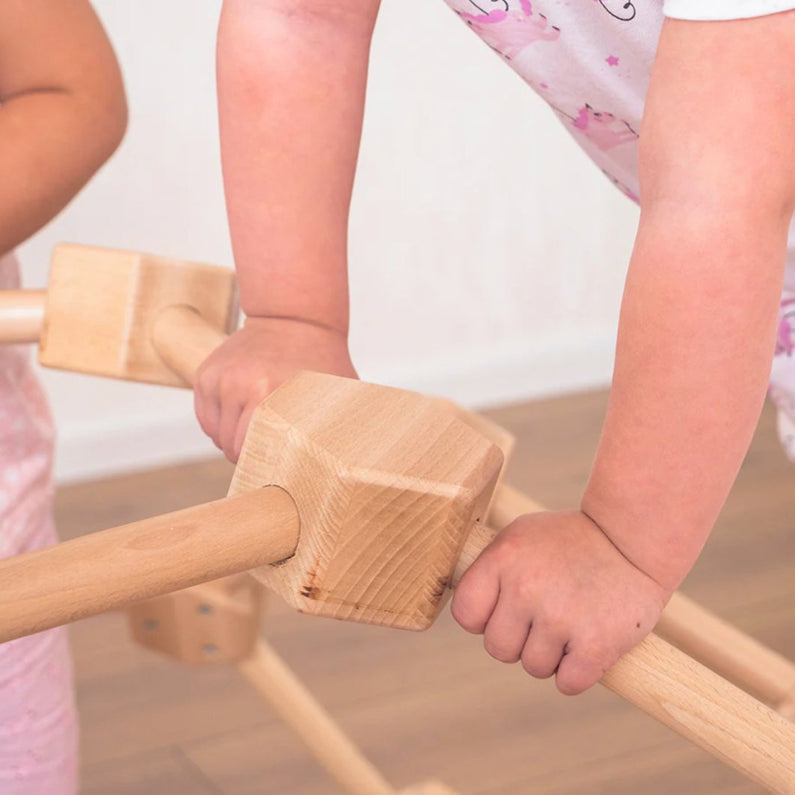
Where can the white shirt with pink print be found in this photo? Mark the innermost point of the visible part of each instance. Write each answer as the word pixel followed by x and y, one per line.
pixel 591 60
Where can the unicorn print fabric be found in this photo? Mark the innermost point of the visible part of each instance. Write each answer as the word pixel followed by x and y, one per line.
pixel 591 60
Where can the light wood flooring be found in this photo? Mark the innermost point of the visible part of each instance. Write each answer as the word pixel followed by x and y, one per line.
pixel 419 705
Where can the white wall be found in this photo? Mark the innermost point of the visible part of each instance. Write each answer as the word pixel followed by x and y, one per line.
pixel 487 255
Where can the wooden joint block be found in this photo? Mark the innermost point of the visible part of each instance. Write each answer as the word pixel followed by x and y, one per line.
pixel 102 304
pixel 495 433
pixel 217 621
pixel 387 485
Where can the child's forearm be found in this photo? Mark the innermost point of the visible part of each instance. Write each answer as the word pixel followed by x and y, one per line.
pixel 51 142
pixel 697 327
pixel 291 96
pixel 694 351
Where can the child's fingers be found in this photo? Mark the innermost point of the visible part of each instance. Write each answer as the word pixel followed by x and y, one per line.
pixel 543 652
pixel 476 597
pixel 578 671
pixel 507 629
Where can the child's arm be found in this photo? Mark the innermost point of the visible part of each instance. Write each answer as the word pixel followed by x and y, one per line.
pixel 291 95
pixel 696 340
pixel 62 109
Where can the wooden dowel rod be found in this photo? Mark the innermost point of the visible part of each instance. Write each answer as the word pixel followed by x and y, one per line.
pixel 184 339
pixel 692 700
pixel 728 651
pixel 21 315
pixel 112 568
pixel 706 709
pixel 297 707
pixel 180 334
pixel 701 634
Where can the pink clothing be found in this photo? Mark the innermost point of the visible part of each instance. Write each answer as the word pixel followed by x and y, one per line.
pixel 38 726
pixel 782 376
pixel 591 61
pixel 518 28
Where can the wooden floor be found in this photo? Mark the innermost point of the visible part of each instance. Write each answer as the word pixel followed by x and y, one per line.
pixel 419 705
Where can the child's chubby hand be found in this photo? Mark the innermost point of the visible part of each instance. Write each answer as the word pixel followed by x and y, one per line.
pixel 256 359
pixel 553 592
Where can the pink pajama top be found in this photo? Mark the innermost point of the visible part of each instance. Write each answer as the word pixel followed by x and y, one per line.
pixel 591 60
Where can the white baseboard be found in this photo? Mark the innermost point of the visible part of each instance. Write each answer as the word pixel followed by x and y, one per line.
pixel 476 380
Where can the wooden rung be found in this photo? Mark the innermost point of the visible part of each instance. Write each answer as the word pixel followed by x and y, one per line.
pixel 728 651
pixel 706 709
pixel 21 315
pixel 102 571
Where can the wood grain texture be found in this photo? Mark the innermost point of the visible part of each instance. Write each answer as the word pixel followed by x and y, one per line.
pixel 421 705
pixel 114 567
pixel 102 303
pixel 706 709
pixel 387 484
pixel 184 338
pixel 733 654
pixel 494 432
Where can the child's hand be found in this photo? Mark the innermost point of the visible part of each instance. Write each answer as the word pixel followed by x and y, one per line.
pixel 554 592
pixel 243 371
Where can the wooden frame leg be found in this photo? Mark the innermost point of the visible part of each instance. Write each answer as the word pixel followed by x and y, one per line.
pixel 226 615
pixel 297 707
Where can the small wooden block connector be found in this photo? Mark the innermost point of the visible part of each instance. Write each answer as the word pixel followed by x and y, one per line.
pixel 102 303
pixel 387 485
pixel 217 621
